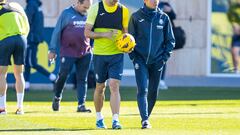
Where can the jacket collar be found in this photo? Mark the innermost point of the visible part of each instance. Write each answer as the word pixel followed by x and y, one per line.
pixel 150 13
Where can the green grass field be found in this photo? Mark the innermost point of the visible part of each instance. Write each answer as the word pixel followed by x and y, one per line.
pixel 179 111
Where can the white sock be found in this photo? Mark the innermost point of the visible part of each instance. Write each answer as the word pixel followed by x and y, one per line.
pixel 2 101
pixel 52 77
pixel 27 85
pixel 99 116
pixel 20 97
pixel 115 117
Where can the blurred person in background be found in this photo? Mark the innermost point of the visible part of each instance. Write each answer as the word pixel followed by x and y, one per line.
pixel 36 21
pixel 75 50
pixel 234 18
pixel 14 29
pixel 166 7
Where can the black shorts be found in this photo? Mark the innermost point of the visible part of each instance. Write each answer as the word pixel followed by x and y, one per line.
pixel 13 45
pixel 236 41
pixel 108 66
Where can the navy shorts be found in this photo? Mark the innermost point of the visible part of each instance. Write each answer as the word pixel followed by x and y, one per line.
pixel 236 41
pixel 13 45
pixel 108 66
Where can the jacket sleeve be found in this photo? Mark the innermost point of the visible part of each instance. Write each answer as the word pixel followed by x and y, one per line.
pixel 56 35
pixel 132 31
pixel 169 40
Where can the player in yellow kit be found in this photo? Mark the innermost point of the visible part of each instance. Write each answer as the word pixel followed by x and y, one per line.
pixel 108 19
pixel 14 29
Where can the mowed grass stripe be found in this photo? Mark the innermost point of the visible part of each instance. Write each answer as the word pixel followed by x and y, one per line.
pixel 179 111
pixel 166 117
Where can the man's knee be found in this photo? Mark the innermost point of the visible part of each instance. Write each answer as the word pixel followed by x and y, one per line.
pixel 18 69
pixel 114 85
pixel 100 88
pixel 142 92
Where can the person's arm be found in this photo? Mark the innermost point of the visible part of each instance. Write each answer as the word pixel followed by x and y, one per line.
pixel 94 35
pixel 56 35
pixel 132 27
pixel 125 19
pixel 132 30
pixel 169 40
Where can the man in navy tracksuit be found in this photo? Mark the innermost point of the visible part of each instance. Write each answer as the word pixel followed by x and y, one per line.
pixel 75 50
pixel 153 33
pixel 35 18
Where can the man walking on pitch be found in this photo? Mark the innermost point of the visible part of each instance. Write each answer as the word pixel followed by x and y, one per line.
pixel 108 19
pixel 154 37
pixel 75 50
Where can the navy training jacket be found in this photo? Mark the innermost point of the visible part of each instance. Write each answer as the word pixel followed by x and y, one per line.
pixel 153 34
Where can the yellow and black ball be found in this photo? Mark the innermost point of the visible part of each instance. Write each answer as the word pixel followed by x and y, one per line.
pixel 126 43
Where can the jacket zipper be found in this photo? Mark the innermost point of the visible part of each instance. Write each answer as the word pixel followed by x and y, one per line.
pixel 150 41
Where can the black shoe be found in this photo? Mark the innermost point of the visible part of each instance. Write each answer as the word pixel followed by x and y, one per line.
pixel 56 104
pixel 82 108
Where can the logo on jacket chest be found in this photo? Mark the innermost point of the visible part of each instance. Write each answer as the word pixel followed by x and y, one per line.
pixel 79 24
pixel 160 25
pixel 161 21
pixel 141 20
pixel 101 14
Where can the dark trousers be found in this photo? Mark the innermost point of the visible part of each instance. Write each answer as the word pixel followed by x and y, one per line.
pixel 147 78
pixel 82 67
pixel 32 62
pixel 163 72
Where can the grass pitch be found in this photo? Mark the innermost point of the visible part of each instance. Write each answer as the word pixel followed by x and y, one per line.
pixel 179 111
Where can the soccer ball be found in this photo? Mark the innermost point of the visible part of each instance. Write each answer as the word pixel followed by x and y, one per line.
pixel 126 43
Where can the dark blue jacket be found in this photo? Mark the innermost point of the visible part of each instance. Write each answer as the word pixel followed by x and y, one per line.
pixel 35 18
pixel 153 34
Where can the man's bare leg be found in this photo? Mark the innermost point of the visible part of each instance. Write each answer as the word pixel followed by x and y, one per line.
pixel 20 86
pixel 3 88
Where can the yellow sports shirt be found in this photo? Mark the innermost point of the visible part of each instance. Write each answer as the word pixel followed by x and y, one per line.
pixel 13 22
pixel 105 46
